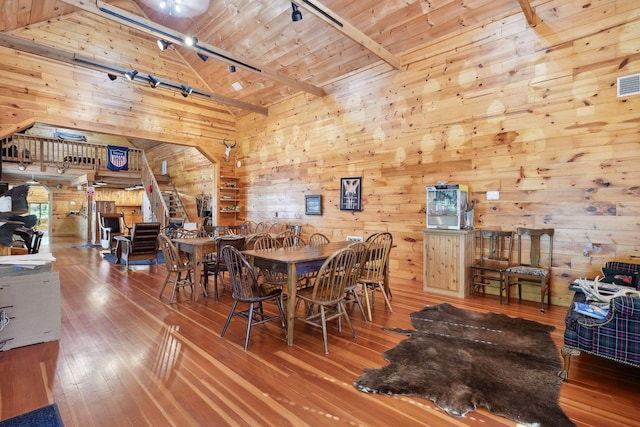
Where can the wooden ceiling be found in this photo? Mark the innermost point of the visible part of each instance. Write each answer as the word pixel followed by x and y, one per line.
pixel 274 56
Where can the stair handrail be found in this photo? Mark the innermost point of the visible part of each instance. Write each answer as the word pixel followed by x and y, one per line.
pixel 159 208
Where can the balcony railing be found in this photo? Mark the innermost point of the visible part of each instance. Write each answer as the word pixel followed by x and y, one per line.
pixel 27 150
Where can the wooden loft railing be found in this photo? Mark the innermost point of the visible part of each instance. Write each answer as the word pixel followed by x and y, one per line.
pixel 28 150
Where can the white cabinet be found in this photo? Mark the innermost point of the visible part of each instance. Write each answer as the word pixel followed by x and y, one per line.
pixel 31 302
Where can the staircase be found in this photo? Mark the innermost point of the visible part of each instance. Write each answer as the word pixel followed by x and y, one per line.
pixel 163 198
pixel 175 211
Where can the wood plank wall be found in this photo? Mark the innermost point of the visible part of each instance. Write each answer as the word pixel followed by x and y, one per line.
pixel 529 112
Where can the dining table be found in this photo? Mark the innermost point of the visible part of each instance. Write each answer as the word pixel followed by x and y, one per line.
pixel 196 248
pixel 294 261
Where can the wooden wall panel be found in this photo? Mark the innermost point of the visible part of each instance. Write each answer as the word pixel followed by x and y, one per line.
pixel 40 90
pixel 529 112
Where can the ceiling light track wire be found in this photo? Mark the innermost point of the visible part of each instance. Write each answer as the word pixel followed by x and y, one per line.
pixel 178 38
pixel 323 13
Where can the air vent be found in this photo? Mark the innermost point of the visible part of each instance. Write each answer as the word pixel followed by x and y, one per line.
pixel 629 85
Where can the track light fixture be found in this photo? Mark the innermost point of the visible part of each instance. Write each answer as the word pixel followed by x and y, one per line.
pixel 191 40
pixel 232 68
pixel 203 56
pixel 60 168
pixel 130 75
pixel 153 81
pixel 112 77
pixel 186 90
pixel 163 44
pixel 32 181
pixel 296 15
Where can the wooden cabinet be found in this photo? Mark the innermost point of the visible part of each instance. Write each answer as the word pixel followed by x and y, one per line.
pixel 31 303
pixel 448 256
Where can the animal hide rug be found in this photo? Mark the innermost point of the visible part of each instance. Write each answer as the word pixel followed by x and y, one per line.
pixel 462 360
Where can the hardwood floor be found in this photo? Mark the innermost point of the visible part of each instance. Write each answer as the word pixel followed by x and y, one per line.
pixel 128 358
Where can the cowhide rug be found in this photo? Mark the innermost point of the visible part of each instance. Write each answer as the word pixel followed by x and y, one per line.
pixel 462 360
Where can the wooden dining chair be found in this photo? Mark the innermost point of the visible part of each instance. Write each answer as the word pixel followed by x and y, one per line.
pixel 269 276
pixel 493 258
pixel 373 273
pixel 179 270
pixel 237 230
pixel 252 227
pixel 533 260
pixel 351 289
pixel 317 239
pixel 324 301
pixel 216 267
pixel 292 241
pixel 246 290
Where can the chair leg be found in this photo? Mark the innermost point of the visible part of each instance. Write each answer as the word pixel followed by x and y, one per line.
pixel 359 302
pixel 280 304
pixel 226 324
pixel 367 303
pixel 384 294
pixel 215 286
pixel 346 316
pixel 324 329
pixel 164 285
pixel 249 324
pixel 175 287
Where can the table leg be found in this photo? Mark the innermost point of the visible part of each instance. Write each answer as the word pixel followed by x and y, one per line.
pixel 292 286
pixel 197 266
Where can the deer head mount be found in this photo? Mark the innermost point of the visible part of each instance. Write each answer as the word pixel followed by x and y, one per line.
pixel 227 149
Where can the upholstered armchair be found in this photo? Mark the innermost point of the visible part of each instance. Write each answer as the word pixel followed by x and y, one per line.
pixel 141 245
pixel 616 337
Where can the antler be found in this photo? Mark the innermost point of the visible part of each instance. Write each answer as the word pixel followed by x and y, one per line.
pixel 228 148
pixel 224 141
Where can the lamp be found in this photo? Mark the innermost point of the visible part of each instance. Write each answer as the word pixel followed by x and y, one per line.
pixel 296 15
pixel 112 77
pixel 232 68
pixel 203 56
pixel 153 81
pixel 191 40
pixel 130 75
pixel 171 6
pixel 186 90
pixel 163 44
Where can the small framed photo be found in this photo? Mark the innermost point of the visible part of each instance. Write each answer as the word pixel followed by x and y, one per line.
pixel 351 194
pixel 313 205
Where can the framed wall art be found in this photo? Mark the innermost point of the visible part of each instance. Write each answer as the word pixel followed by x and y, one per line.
pixel 351 194
pixel 313 205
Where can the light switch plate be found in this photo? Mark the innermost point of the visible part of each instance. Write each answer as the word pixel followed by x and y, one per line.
pixel 493 195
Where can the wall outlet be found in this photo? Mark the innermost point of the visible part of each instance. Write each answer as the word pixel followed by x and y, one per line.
pixel 354 239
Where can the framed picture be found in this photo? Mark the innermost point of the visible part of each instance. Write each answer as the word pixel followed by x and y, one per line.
pixel 351 194
pixel 313 205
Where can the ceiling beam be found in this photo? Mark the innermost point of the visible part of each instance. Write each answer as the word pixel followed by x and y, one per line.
pixel 49 52
pixel 528 12
pixel 333 19
pixel 149 27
